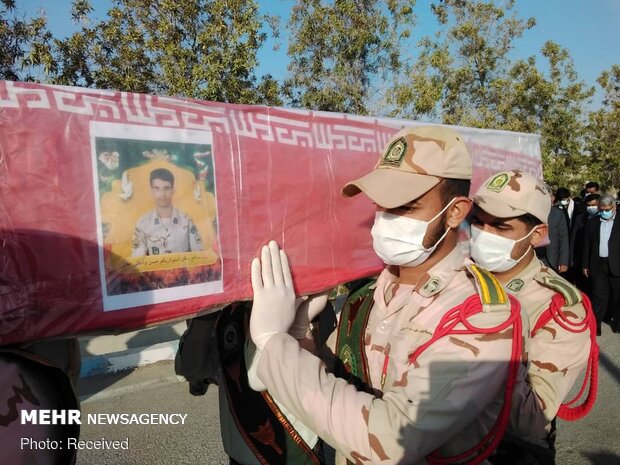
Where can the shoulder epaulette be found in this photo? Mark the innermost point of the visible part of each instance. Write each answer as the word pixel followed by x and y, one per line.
pixel 491 292
pixel 571 294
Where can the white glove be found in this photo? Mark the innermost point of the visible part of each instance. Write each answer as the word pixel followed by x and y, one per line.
pixel 273 310
pixel 307 311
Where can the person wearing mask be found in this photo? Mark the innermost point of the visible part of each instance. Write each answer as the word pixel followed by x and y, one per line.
pixel 579 205
pixel 556 254
pixel 563 202
pixel 506 225
pixel 601 262
pixel 405 375
pixel 577 241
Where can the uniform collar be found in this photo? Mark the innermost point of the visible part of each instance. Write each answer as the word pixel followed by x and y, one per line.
pixel 436 279
pixel 156 218
pixel 518 283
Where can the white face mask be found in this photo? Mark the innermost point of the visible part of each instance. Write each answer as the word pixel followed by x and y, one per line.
pixel 564 203
pixel 592 209
pixel 492 252
pixel 398 239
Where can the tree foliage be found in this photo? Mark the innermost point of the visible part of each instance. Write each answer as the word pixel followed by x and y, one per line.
pixel 204 49
pixel 456 73
pixel 338 50
pixel 553 104
pixel 351 56
pixel 19 38
pixel 603 141
pixel 465 76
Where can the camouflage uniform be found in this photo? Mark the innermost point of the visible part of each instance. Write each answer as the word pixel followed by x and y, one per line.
pixel 30 382
pixel 557 356
pixel 450 396
pixel 448 399
pixel 154 235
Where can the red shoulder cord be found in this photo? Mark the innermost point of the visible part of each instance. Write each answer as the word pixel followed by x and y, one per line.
pixel 459 315
pixel 566 411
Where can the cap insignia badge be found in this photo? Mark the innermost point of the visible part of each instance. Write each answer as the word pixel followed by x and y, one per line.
pixel 395 153
pixel 498 183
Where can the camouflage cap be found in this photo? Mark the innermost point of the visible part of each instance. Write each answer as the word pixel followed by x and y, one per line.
pixel 413 163
pixel 514 193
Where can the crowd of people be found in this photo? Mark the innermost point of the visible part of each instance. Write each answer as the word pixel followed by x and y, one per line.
pixel 584 248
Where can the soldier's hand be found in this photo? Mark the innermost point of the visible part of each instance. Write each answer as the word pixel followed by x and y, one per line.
pixel 273 310
pixel 586 272
pixel 562 268
pixel 308 311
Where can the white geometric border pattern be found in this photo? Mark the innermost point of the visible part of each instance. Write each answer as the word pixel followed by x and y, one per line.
pixel 329 131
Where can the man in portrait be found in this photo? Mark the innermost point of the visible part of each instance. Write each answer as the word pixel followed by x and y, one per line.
pixel 165 229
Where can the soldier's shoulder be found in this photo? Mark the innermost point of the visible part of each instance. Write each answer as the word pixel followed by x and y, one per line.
pixel 492 294
pixel 556 284
pixel 183 217
pixel 145 220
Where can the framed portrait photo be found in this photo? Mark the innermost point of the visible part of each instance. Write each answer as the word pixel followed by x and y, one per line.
pixel 156 214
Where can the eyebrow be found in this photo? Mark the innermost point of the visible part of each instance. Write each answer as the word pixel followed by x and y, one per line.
pixel 413 203
pixel 497 222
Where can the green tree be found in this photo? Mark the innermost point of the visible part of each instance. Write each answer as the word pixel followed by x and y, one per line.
pixel 456 72
pixel 341 51
pixel 603 141
pixel 552 104
pixel 20 38
pixel 464 76
pixel 204 49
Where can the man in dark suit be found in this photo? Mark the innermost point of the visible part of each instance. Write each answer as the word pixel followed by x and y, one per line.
pixel 577 234
pixel 601 262
pixel 556 255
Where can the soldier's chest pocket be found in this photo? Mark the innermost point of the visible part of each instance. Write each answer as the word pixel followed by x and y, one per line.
pixel 402 346
pixel 444 355
pixel 157 237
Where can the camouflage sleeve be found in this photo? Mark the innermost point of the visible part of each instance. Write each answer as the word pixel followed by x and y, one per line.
pixel 428 404
pixel 557 358
pixel 138 242
pixel 527 417
pixel 195 241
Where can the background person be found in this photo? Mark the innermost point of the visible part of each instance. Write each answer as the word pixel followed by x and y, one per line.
pixel 577 241
pixel 562 201
pixel 556 254
pixel 593 188
pixel 601 262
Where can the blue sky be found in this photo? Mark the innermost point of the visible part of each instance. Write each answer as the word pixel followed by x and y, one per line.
pixel 589 29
